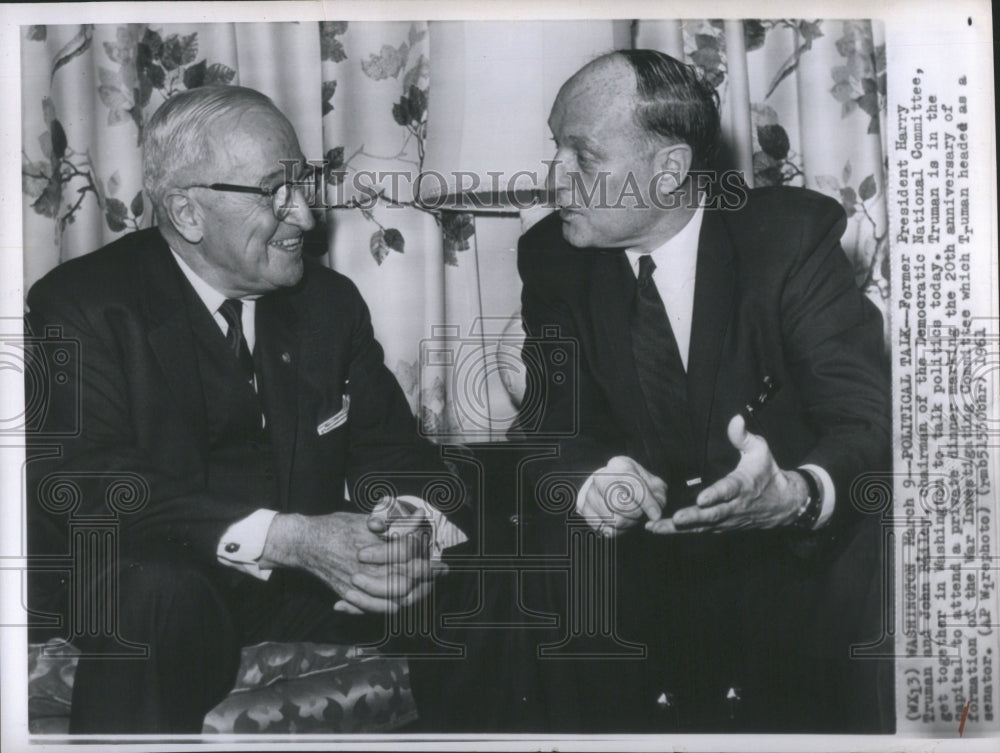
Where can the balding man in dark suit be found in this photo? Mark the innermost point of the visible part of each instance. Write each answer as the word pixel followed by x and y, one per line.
pixel 690 297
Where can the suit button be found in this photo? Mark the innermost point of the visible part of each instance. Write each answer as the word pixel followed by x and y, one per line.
pixel 269 474
pixel 232 546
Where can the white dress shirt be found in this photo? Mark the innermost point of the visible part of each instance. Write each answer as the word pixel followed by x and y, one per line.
pixel 674 277
pixel 213 299
pixel 242 544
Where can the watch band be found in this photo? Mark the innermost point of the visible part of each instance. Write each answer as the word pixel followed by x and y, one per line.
pixel 809 511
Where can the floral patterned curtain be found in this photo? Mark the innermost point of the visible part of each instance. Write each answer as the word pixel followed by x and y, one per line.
pixel 803 104
pixel 357 95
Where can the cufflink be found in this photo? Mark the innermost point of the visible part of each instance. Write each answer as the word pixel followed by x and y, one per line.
pixel 232 546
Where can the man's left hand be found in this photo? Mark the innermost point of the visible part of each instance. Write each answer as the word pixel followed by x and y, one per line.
pixel 756 494
pixel 407 535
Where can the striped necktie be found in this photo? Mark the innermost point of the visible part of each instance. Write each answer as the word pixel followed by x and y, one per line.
pixel 232 311
pixel 660 368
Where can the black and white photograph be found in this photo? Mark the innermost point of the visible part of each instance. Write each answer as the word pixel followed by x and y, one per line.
pixel 407 375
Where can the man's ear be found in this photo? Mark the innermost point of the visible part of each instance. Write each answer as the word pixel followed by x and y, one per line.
pixel 185 215
pixel 672 165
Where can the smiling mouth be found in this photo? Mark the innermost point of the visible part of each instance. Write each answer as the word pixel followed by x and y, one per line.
pixel 290 246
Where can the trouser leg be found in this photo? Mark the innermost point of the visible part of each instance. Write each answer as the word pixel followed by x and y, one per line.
pixel 180 613
pixel 492 684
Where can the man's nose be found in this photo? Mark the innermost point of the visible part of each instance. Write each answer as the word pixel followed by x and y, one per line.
pixel 300 212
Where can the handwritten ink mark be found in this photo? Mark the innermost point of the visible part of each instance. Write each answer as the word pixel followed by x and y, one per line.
pixel 965 715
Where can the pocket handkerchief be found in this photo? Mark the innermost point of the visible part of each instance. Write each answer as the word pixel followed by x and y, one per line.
pixel 337 419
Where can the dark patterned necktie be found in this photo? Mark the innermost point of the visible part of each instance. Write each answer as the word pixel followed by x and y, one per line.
pixel 232 311
pixel 661 371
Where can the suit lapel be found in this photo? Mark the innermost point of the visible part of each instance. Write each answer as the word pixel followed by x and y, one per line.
pixel 714 300
pixel 611 290
pixel 276 359
pixel 170 337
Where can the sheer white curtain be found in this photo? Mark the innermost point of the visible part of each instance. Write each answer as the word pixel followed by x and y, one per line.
pixel 88 90
pixel 802 103
pixel 357 95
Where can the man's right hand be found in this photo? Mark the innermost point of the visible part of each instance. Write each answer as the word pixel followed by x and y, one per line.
pixel 393 572
pixel 619 495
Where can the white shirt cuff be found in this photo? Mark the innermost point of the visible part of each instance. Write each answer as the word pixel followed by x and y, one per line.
pixel 243 543
pixel 827 490
pixel 446 533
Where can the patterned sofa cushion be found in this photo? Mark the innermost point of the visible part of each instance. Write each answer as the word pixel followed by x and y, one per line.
pixel 310 687
pixel 51 667
pixel 280 687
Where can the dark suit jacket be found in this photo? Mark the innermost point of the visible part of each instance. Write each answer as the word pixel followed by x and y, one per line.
pixel 141 406
pixel 775 296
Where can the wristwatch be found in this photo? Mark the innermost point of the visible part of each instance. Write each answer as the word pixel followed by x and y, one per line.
pixel 809 511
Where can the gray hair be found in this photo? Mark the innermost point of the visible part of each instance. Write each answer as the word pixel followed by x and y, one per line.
pixel 176 143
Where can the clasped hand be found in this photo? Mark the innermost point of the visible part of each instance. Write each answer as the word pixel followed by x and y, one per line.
pixel 375 563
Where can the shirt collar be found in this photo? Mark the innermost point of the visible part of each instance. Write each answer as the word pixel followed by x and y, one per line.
pixel 211 297
pixel 682 245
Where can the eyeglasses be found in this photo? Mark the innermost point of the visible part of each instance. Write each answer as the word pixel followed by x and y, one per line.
pixel 282 196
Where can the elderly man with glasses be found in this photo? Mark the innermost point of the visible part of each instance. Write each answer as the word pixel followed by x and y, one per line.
pixel 239 386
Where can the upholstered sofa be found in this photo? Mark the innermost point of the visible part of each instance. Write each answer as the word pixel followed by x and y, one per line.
pixel 280 687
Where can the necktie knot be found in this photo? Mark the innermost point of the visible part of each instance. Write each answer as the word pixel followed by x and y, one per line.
pixel 232 311
pixel 646 268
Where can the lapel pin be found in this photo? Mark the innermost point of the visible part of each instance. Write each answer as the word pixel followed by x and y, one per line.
pixel 286 358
